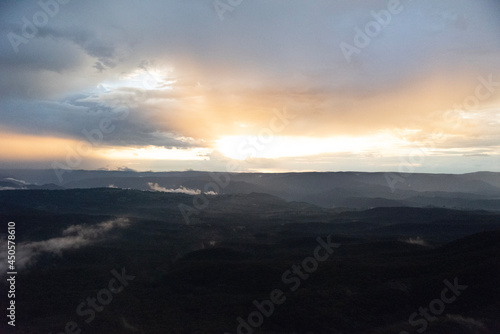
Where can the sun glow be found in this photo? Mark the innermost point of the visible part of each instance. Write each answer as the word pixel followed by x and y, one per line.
pixel 248 147
pixel 147 79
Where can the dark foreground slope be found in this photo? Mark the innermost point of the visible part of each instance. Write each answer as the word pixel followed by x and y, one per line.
pixel 202 276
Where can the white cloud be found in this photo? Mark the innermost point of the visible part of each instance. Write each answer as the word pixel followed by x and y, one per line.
pixel 8 188
pixel 181 189
pixel 416 241
pixel 75 236
pixel 16 180
pixel 468 322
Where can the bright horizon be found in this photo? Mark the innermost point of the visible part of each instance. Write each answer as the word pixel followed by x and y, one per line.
pixel 382 86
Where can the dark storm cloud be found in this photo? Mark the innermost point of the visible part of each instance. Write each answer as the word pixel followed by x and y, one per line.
pixel 75 119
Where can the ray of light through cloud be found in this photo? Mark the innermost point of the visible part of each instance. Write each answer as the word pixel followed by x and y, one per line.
pixel 194 90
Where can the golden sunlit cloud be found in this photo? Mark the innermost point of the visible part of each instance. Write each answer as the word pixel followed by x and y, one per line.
pixel 246 147
pixel 19 147
pixel 155 153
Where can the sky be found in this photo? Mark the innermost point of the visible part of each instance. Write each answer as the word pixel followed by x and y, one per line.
pixel 250 85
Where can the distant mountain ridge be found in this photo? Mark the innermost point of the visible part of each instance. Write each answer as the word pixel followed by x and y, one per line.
pixel 357 190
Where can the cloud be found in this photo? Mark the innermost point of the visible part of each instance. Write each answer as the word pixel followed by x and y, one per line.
pixel 181 189
pixel 125 169
pixel 8 188
pixel 75 236
pixel 17 181
pixel 185 85
pixel 416 241
pixel 471 323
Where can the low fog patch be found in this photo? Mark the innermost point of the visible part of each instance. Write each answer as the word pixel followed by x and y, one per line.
pixel 181 189
pixel 415 241
pixel 75 236
pixel 466 322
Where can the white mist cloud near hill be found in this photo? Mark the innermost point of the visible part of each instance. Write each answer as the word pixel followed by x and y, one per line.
pixel 181 189
pixel 75 236
pixel 467 322
pixel 416 241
